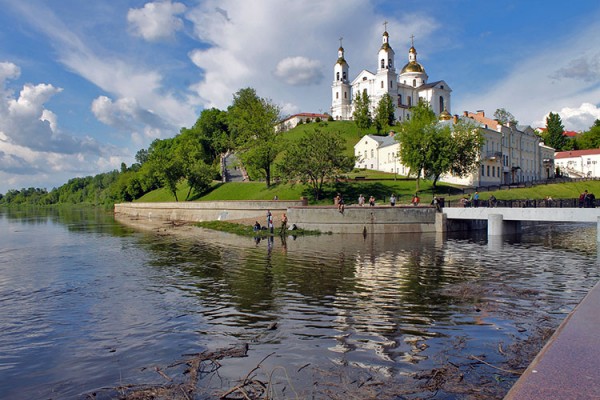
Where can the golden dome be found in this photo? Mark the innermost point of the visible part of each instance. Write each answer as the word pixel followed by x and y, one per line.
pixel 341 61
pixel 412 66
pixel 445 115
pixel 412 50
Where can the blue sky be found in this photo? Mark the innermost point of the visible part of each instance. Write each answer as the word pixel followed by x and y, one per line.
pixel 85 84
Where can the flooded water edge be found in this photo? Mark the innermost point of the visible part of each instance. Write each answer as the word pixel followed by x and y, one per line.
pixel 94 305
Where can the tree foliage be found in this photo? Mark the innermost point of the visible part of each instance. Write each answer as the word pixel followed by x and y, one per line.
pixel 589 139
pixel 504 117
pixel 252 122
pixel 316 158
pixel 416 138
pixel 362 111
pixel 554 136
pixel 384 113
pixel 433 148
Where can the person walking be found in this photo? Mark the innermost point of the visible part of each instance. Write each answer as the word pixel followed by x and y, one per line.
pixel 415 200
pixel 372 201
pixel 393 200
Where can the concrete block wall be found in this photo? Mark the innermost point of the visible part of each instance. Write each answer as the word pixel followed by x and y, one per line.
pixel 366 219
pixel 206 210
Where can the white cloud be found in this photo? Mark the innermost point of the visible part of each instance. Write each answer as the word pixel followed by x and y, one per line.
pixel 257 44
pixel 157 20
pixel 299 71
pixel 577 119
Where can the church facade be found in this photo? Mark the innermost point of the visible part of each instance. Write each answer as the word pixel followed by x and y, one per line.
pixel 405 88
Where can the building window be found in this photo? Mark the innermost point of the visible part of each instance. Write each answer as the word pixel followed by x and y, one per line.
pixel 498 172
pixel 483 170
pixel 441 103
pixel 344 76
pixel 409 99
pixel 337 95
pixel 345 95
pixel 382 84
pixel 488 170
pixel 391 84
pixel 372 153
pixel 414 83
pixel 399 100
pixel 390 63
pixel 442 87
pixel 337 76
pixel 365 154
pixel 493 172
pixel 382 63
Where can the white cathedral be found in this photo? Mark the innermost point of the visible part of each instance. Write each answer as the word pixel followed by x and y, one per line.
pixel 405 88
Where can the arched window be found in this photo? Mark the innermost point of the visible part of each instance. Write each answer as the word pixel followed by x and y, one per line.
pixel 442 104
pixel 337 95
pixel 399 100
pixel 409 99
pixel 365 154
pixel 382 63
pixel 345 95
pixel 414 83
pixel 391 84
pixel 344 76
pixel 382 84
pixel 372 153
pixel 337 76
pixel 390 63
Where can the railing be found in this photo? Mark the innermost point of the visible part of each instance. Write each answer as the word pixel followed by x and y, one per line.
pixel 554 203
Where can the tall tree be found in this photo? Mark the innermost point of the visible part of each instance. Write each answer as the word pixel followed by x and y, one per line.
pixel 589 139
pixel 416 138
pixel 503 116
pixel 362 112
pixel 164 164
pixel 315 158
pixel 384 113
pixel 554 136
pixel 252 122
pixel 211 130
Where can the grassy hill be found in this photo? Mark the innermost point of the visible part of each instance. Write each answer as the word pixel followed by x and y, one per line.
pixel 379 184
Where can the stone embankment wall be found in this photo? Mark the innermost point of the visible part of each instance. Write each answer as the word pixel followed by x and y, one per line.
pixel 354 219
pixel 381 219
pixel 207 210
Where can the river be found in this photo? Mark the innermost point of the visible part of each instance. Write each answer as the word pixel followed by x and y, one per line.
pixel 92 308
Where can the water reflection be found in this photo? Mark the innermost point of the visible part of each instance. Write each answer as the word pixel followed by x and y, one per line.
pixel 91 302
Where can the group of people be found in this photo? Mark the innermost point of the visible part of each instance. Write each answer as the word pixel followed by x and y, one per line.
pixel 361 201
pixel 270 224
pixel 339 201
pixel 587 200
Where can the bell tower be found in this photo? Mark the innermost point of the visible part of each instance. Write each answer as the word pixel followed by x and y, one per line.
pixel 341 96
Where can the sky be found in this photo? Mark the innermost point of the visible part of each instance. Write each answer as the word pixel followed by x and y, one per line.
pixel 84 85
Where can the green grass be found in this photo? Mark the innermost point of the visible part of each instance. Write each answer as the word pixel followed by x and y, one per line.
pixel 247 230
pixel 347 129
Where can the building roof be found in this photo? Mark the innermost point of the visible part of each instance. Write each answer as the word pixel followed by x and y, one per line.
pixel 306 115
pixel 576 153
pixel 565 133
pixel 383 141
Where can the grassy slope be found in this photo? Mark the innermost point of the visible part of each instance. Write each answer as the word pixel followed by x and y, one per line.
pixel 379 184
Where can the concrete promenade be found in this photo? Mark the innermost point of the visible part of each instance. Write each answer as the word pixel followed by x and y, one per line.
pixel 568 367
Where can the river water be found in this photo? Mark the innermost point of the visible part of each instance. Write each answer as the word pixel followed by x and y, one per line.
pixel 91 308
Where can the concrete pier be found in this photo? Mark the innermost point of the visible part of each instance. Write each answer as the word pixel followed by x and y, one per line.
pixel 568 367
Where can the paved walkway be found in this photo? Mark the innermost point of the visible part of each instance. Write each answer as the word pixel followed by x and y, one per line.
pixel 568 367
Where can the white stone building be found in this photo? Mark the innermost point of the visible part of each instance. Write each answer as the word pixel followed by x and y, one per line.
pixel 405 89
pixel 293 120
pixel 510 155
pixel 579 163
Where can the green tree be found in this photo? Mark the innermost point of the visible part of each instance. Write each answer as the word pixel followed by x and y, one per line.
pixel 465 148
pixel 362 112
pixel 554 136
pixel 589 139
pixel 165 165
pixel 416 138
pixel 211 130
pixel 315 158
pixel 252 122
pixel 503 116
pixel 384 113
